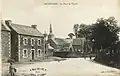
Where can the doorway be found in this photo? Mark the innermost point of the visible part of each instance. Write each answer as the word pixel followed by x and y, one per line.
pixel 33 54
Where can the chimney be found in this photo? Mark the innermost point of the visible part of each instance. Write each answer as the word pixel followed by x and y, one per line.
pixel 34 26
pixel 8 22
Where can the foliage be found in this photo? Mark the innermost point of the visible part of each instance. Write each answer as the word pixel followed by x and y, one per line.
pixel 104 33
pixel 103 38
pixel 75 29
pixel 84 30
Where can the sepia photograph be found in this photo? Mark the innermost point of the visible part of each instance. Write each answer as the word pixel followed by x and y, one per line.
pixel 60 38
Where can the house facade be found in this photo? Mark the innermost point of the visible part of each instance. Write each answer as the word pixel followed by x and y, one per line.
pixel 78 45
pixel 5 42
pixel 27 43
pixel 50 51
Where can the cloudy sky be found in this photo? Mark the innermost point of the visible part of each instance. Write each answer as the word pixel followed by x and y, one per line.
pixel 62 17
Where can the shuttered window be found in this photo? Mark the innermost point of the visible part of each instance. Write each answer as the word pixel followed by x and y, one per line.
pixel 25 53
pixel 39 42
pixel 25 41
pixel 39 52
pixel 32 41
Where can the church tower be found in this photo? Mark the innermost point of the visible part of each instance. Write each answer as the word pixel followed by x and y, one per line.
pixel 51 35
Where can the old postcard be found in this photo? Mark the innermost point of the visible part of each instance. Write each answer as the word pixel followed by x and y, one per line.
pixel 60 38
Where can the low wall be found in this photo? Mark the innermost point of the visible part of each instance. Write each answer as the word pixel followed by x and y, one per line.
pixel 60 54
pixel 71 54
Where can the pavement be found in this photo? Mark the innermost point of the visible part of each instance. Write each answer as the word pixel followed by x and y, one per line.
pixel 69 67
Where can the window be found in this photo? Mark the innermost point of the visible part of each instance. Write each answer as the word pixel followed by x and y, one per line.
pixel 25 53
pixel 39 52
pixel 79 50
pixel 25 41
pixel 75 49
pixel 32 41
pixel 39 41
pixel 45 52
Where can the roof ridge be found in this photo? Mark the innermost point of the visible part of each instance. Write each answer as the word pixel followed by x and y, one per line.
pixel 27 30
pixel 21 25
pixel 6 27
pixel 59 38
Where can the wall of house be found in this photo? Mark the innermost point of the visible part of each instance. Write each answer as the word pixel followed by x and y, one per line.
pixel 50 52
pixel 6 46
pixel 61 54
pixel 14 45
pixel 78 48
pixel 29 48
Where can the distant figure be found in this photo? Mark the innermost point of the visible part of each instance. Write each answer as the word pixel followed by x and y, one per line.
pixel 59 61
pixel 85 57
pixel 90 57
pixel 12 70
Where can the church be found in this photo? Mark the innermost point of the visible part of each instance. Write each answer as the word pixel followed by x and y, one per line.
pixel 60 45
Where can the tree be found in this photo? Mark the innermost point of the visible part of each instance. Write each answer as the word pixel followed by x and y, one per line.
pixel 104 32
pixel 105 36
pixel 71 35
pixel 75 29
pixel 102 36
pixel 84 30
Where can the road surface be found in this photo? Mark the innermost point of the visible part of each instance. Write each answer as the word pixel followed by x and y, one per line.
pixel 71 67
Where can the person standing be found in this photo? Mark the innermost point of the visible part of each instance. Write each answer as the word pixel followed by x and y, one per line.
pixel 12 70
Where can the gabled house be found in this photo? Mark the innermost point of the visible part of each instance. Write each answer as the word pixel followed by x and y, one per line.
pixel 26 42
pixel 5 42
pixel 50 51
pixel 78 45
pixel 59 44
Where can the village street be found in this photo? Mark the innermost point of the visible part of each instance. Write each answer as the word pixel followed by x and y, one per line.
pixel 71 67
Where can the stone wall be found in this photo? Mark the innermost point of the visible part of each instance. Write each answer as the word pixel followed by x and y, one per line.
pixel 6 45
pixel 29 48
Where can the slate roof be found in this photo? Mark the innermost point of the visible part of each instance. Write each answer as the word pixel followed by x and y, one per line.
pixel 60 41
pixel 78 41
pixel 26 30
pixel 4 27
pixel 68 40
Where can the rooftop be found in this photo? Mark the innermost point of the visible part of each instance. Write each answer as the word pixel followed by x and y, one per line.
pixel 26 30
pixel 4 27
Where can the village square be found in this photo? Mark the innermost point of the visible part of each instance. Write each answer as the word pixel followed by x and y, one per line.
pixel 39 54
pixel 60 38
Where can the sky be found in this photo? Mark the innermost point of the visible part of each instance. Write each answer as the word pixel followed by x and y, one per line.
pixel 61 17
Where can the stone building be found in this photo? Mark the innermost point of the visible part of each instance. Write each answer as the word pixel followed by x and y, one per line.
pixel 26 42
pixel 78 45
pixel 5 42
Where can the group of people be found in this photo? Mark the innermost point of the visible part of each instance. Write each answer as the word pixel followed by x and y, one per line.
pixel 89 57
pixel 12 69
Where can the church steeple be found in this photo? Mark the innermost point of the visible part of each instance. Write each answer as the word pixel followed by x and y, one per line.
pixel 50 28
pixel 51 35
